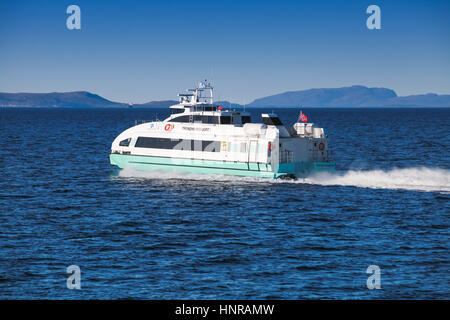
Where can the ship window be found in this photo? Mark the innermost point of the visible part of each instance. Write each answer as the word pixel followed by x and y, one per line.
pixel 225 120
pixel 208 119
pixel 197 118
pixel 211 146
pixel 176 110
pixel 125 143
pixel 178 144
pixel 211 119
pixel 204 119
pixel 272 121
pixel 156 143
pixel 246 119
pixel 180 119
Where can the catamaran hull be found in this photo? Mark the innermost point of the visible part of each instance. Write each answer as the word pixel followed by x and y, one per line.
pixel 197 166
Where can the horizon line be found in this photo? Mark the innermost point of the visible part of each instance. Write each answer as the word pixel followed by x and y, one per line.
pixel 226 100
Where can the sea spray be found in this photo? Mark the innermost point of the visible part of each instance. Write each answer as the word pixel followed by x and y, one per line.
pixel 420 178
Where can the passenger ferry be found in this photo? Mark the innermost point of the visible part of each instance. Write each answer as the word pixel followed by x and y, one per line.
pixel 202 137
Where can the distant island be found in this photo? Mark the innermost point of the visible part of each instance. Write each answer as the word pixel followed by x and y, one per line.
pixel 355 96
pixel 75 99
pixel 350 97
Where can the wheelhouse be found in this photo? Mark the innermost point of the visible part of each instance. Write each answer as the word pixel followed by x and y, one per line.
pixel 235 118
pixel 194 107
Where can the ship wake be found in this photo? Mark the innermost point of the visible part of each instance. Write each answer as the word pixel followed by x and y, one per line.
pixel 416 178
pixel 420 179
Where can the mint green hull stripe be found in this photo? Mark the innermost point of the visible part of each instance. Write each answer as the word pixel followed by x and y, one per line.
pixel 211 166
pixel 190 165
pixel 303 169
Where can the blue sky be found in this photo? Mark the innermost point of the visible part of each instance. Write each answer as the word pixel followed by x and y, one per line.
pixel 136 51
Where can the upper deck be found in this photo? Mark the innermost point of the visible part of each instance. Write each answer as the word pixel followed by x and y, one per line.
pixel 196 107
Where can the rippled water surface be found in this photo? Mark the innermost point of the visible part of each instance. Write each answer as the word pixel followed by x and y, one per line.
pixel 170 236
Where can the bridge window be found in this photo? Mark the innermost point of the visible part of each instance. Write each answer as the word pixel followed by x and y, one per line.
pixel 246 119
pixel 272 121
pixel 211 119
pixel 197 118
pixel 176 110
pixel 225 120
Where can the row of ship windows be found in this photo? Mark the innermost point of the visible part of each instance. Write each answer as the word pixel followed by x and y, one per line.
pixel 224 119
pixel 177 144
pixel 196 108
pixel 192 145
pixel 210 119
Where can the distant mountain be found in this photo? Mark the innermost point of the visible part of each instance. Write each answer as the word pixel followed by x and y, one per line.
pixel 76 99
pixel 427 100
pixel 228 104
pixel 157 104
pixel 355 96
pixel 336 97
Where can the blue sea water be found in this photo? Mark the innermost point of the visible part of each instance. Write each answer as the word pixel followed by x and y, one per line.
pixel 174 236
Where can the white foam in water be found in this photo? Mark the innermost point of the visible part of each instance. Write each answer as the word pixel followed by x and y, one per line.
pixel 420 179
